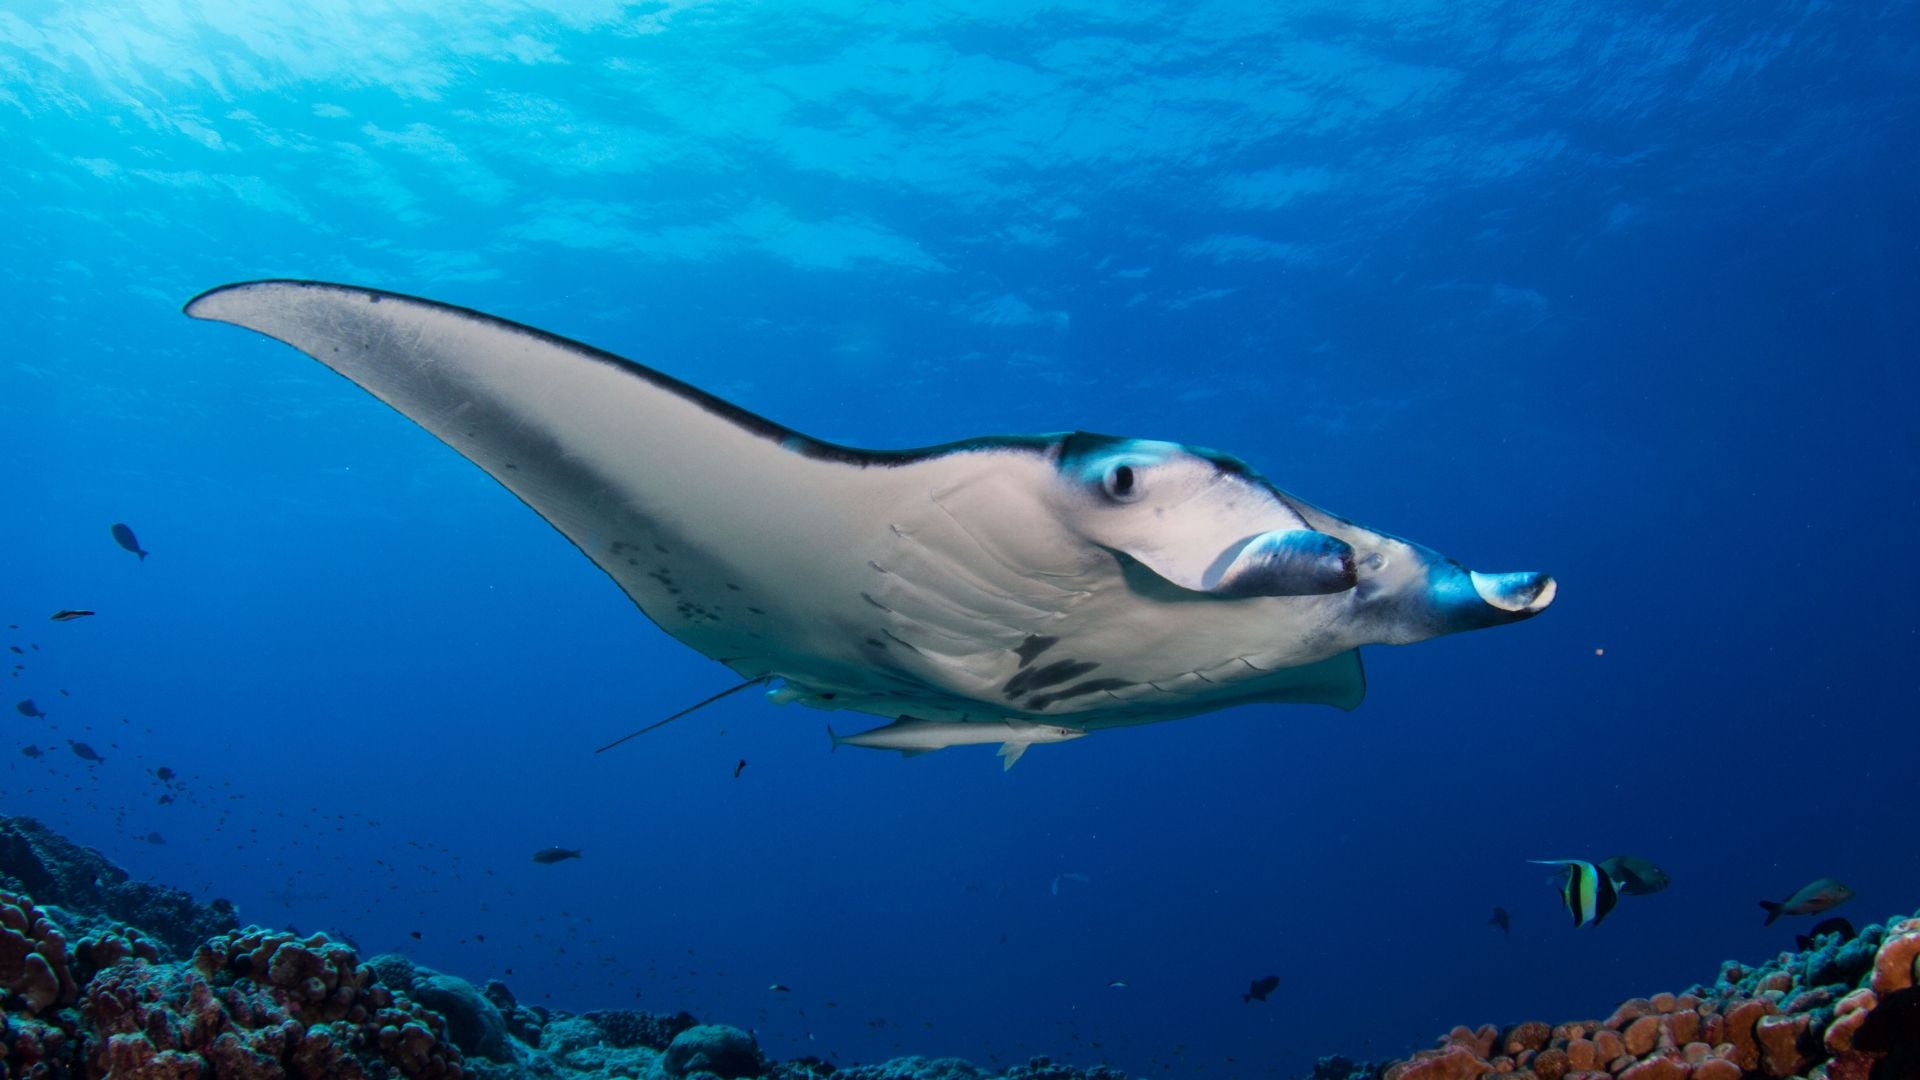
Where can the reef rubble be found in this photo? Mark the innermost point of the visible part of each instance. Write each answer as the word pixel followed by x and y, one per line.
pixel 103 977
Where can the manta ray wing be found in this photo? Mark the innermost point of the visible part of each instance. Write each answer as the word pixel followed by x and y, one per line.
pixel 685 500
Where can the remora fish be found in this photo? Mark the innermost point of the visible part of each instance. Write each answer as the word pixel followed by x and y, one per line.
pixel 549 856
pixel 70 614
pixel 912 737
pixel 1587 892
pixel 1075 579
pixel 1811 899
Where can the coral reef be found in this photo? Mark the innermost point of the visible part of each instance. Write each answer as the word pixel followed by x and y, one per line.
pixel 474 1023
pixel 726 1052
pixel 626 1027
pixel 1842 1011
pixel 87 992
pixel 60 873
pixel 35 968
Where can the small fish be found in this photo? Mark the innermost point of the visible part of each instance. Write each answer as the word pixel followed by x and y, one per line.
pixel 125 538
pixel 84 752
pixel 154 838
pixel 1808 941
pixel 780 988
pixel 29 710
pixel 30 751
pixel 737 768
pixel 1502 920
pixel 70 614
pixel 163 774
pixel 549 856
pixel 1634 876
pixel 1588 893
pixel 1119 985
pixel 1812 899
pixel 414 934
pixel 1260 988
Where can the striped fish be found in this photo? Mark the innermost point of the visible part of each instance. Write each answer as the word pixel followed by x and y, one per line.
pixel 1588 893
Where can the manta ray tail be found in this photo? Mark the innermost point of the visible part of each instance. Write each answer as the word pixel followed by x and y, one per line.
pixel 696 705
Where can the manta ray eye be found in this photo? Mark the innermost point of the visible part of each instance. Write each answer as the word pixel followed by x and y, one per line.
pixel 1121 484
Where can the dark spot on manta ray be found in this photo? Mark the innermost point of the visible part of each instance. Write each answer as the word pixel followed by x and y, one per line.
pixel 1091 686
pixel 1057 672
pixel 732 586
pixel 1032 647
pixel 876 643
pixel 869 599
pixel 661 550
pixel 756 611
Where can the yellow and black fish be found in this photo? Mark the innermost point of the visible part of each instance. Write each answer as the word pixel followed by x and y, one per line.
pixel 1588 893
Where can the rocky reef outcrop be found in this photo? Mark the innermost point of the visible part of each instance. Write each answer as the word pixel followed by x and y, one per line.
pixel 1843 1010
pixel 57 872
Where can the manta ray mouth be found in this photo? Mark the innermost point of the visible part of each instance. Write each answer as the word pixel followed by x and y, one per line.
pixel 1519 594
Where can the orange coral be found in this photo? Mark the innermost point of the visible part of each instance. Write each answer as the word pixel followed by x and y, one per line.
pixel 262 1003
pixel 1761 1021
pixel 34 962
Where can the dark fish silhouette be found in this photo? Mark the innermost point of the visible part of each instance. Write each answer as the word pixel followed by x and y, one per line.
pixel 154 838
pixel 549 856
pixel 1812 899
pixel 1836 925
pixel 28 709
pixel 70 614
pixel 125 538
pixel 1502 920
pixel 1260 988
pixel 1634 876
pixel 780 988
pixel 84 752
pixel 163 774
pixel 737 768
pixel 30 751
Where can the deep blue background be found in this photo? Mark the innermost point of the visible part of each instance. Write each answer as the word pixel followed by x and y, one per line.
pixel 1625 292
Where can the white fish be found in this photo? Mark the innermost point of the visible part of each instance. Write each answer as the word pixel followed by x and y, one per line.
pixel 912 737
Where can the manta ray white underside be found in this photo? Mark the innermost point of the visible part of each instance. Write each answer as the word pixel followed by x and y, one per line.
pixel 1081 580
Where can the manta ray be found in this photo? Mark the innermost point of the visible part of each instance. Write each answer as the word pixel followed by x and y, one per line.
pixel 1069 580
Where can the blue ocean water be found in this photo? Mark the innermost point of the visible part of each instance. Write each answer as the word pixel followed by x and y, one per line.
pixel 1626 293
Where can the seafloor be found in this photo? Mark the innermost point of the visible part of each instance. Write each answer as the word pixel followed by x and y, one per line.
pixel 106 977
